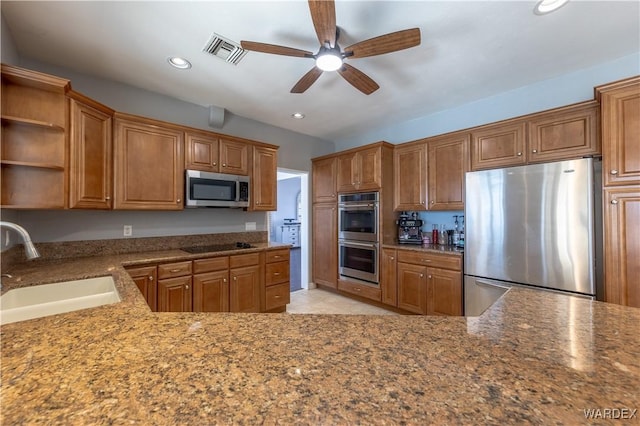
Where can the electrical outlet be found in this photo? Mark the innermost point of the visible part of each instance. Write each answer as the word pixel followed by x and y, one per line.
pixel 249 226
pixel 128 230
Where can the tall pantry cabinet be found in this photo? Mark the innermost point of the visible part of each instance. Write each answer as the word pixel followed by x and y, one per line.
pixel 325 222
pixel 620 102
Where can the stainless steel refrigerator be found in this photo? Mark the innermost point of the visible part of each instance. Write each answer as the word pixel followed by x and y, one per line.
pixel 533 226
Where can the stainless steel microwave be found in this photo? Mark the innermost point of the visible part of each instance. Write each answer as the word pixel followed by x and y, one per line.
pixel 206 189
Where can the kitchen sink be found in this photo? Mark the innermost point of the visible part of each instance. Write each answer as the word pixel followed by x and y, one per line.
pixel 25 303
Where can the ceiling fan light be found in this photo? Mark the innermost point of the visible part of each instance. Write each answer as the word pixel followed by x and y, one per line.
pixel 329 62
pixel 547 6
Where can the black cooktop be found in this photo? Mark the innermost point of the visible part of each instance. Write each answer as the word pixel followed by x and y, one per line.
pixel 216 247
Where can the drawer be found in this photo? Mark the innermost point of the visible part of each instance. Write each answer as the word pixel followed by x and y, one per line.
pixel 430 259
pixel 277 296
pixel 277 255
pixel 277 273
pixel 170 270
pixel 210 265
pixel 240 260
pixel 362 290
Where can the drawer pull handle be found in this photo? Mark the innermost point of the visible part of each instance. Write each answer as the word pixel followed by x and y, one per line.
pixel 276 273
pixel 426 260
pixel 176 270
pixel 277 256
pixel 357 289
pixel 276 297
pixel 614 172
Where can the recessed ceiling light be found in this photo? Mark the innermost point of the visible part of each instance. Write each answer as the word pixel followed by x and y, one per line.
pixel 298 115
pixel 179 62
pixel 547 6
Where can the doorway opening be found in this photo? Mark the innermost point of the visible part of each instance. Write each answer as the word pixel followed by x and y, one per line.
pixel 290 223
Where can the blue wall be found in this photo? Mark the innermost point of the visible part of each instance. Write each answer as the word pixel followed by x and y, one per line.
pixel 563 90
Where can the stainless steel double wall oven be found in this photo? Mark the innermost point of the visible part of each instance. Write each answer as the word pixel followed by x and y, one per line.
pixel 358 237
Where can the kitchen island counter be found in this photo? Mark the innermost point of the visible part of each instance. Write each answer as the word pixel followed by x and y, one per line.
pixel 534 357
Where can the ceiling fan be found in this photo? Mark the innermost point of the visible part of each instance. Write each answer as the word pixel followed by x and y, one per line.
pixel 330 57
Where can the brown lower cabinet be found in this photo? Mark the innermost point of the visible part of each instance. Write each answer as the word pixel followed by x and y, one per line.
pixel 238 283
pixel 424 283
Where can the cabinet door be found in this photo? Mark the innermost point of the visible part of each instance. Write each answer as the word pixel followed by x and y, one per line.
pixel 444 292
pixel 563 133
pixel 325 244
pixel 622 245
pixel 347 178
pixel 244 290
pixel 410 177
pixel 388 280
pixel 264 179
pixel 90 162
pixel 497 146
pixel 201 152
pixel 145 279
pixel 369 166
pixel 412 288
pixel 174 295
pixel 323 175
pixel 149 166
pixel 234 157
pixel 448 162
pixel 621 133
pixel 211 292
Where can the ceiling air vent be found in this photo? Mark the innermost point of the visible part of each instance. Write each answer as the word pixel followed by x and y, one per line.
pixel 224 49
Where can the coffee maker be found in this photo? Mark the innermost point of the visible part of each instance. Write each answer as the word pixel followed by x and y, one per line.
pixel 409 228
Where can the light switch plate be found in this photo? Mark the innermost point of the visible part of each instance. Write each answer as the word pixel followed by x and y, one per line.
pixel 128 230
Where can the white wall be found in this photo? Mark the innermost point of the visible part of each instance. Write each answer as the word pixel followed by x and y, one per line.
pixel 562 90
pixel 8 52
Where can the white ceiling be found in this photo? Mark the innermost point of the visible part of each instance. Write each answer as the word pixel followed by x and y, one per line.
pixel 469 50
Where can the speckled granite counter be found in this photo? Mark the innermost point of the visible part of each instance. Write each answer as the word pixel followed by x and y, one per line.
pixel 430 248
pixel 534 357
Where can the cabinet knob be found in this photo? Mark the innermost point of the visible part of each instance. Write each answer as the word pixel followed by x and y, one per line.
pixel 423 202
pixel 214 163
pixel 107 198
pixel 429 276
pixel 519 154
pixel 392 258
pixel 534 151
pixel 333 195
pixel 235 278
pixel 614 201
pixel 614 172
pixel 150 277
pixel 178 200
pixel 224 280
pixel 432 202
pixel 186 287
pixel 224 165
pixel 421 275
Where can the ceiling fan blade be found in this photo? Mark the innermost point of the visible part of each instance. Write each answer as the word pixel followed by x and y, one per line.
pixel 275 49
pixel 384 44
pixel 358 79
pixel 323 15
pixel 307 80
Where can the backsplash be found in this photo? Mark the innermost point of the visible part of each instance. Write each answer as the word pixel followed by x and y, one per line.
pixel 69 249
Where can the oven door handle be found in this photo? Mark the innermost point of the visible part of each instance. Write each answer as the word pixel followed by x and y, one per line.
pixel 357 206
pixel 356 244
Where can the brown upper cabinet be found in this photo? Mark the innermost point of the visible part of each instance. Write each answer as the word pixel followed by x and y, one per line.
pixel 264 179
pixel 448 161
pixel 211 153
pixel 360 170
pixel 499 145
pixel 90 169
pixel 148 164
pixel 410 177
pixel 558 134
pixel 323 175
pixel 562 133
pixel 621 132
pixel 35 125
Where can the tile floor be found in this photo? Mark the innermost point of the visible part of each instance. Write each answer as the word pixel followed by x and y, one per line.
pixel 318 301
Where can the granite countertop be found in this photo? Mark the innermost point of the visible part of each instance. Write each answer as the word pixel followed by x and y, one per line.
pixel 533 357
pixel 430 248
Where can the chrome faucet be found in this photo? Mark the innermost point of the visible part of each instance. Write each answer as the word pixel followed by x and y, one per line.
pixel 30 250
